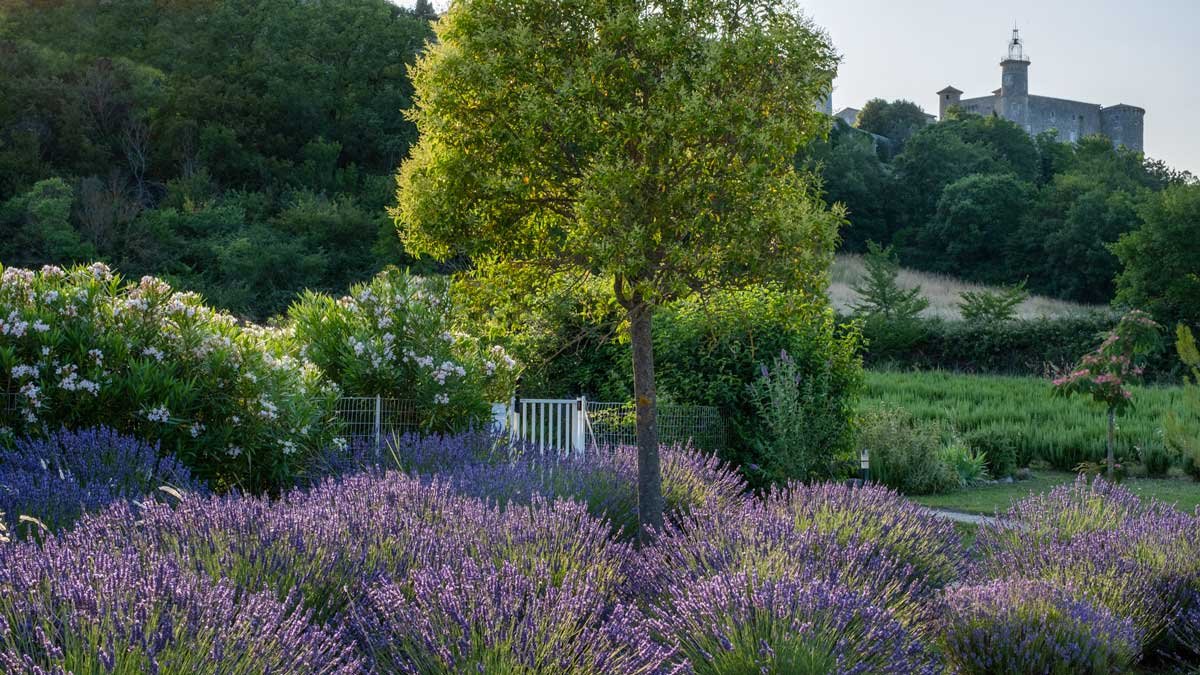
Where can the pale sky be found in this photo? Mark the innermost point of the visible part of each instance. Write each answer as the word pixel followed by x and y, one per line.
pixel 1144 53
pixel 1141 52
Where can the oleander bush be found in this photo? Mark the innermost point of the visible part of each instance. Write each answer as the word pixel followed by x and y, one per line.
pixel 1020 626
pixel 394 334
pixel 81 348
pixel 58 478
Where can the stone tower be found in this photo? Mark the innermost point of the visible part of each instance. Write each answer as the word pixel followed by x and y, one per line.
pixel 947 98
pixel 1014 83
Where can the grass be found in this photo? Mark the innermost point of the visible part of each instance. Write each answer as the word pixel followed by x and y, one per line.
pixel 1062 432
pixel 989 499
pixel 943 293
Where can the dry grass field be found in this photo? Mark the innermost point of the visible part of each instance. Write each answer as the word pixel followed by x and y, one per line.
pixel 943 292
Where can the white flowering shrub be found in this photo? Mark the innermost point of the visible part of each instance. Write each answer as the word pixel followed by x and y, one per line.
pixel 81 348
pixel 394 337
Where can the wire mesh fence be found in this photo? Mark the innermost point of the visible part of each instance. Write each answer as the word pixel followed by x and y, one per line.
pixel 615 424
pixel 374 418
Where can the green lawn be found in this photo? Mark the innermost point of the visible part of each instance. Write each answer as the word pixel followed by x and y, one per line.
pixel 988 499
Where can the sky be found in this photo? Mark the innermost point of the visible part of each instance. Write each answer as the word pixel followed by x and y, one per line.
pixel 1141 52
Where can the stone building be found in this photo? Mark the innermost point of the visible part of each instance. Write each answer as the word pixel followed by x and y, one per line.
pixel 1071 119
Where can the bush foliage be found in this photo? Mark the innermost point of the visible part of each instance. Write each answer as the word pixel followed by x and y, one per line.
pixel 81 347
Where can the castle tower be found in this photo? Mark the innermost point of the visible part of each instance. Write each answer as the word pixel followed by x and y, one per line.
pixel 1014 83
pixel 947 98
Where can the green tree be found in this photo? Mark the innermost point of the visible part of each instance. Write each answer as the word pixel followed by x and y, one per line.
pixel 1182 427
pixel 853 175
pixel 896 120
pixel 650 145
pixel 879 291
pixel 992 307
pixel 1161 258
pixel 976 218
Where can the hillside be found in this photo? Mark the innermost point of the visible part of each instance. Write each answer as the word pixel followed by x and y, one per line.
pixel 943 292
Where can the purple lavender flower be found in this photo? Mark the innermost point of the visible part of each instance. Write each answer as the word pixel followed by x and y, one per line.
pixel 487 619
pixel 739 623
pixel 67 608
pixel 1138 559
pixel 1022 626
pixel 58 478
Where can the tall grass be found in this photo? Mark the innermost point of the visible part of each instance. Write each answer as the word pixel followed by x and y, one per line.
pixel 1063 432
pixel 943 293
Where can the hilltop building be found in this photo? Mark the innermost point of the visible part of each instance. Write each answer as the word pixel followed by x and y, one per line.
pixel 1072 120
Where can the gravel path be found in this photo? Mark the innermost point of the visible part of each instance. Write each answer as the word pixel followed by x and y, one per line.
pixel 969 518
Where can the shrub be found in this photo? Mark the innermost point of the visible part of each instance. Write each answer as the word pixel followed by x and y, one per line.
pixel 905 453
pixel 394 335
pixel 605 481
pixel 497 620
pixel 1000 451
pixel 1018 627
pixel 76 607
pixel 796 440
pixel 1182 425
pixel 711 350
pixel 737 623
pixel 79 348
pixel 60 477
pixel 708 351
pixel 992 307
pixel 1137 559
pixel 870 540
pixel 969 464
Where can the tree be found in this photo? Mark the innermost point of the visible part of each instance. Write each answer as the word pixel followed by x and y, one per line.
pixel 649 144
pixel 1104 373
pixel 896 120
pixel 853 175
pixel 1161 258
pixel 976 218
pixel 880 293
pixel 992 307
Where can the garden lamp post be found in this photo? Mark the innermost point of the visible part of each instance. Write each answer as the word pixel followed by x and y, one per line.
pixel 864 465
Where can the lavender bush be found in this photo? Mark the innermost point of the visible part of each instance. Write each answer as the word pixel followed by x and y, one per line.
pixel 1138 559
pixel 66 607
pixel 738 623
pixel 1020 626
pixel 58 478
pixel 497 619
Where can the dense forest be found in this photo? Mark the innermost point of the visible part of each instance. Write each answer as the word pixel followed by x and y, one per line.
pixel 246 149
pixel 241 148
pixel 978 198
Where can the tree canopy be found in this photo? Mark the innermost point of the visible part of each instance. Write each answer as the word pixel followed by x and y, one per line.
pixel 647 143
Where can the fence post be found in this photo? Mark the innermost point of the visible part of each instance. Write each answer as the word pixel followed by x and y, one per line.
pixel 378 423
pixel 579 430
pixel 514 432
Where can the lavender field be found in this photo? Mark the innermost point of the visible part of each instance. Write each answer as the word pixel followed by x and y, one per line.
pixel 457 554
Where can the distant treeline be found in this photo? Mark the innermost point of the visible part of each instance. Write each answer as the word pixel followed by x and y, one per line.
pixel 980 199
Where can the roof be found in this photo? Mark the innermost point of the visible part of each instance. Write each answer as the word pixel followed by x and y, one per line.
pixel 949 90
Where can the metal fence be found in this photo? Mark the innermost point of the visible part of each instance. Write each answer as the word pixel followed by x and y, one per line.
pixel 374 418
pixel 615 424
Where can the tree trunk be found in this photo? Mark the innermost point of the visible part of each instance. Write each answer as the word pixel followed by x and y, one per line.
pixel 1110 454
pixel 650 500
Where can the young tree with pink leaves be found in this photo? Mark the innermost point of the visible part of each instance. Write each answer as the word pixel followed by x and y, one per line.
pixel 1106 372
